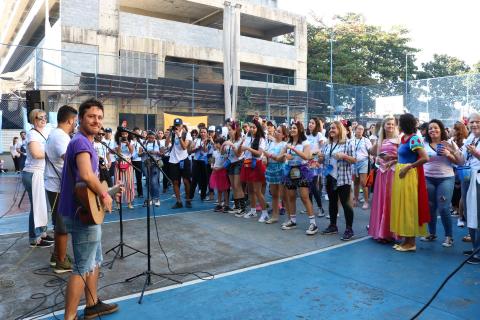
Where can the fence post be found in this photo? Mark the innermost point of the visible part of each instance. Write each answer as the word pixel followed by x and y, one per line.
pixel 35 76
pixel 96 76
pixel 193 89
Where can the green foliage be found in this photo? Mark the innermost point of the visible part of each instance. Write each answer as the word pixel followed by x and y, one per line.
pixel 443 65
pixel 362 54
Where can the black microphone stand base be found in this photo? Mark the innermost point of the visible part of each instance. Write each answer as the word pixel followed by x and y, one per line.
pixel 148 280
pixel 119 248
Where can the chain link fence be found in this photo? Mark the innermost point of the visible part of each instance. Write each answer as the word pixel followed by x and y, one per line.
pixel 139 87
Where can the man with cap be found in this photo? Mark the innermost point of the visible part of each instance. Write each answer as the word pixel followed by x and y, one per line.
pixel 179 167
pixel 110 142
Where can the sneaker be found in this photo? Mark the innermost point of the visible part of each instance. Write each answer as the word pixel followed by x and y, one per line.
pixel 473 260
pixel 188 204
pixel 239 213
pixel 63 266
pixel 467 252
pixel 289 225
pixel 448 242
pixel 271 221
pixel 282 211
pixel 99 309
pixel 226 209
pixel 429 238
pixel 365 206
pixel 331 229
pixel 250 214
pixel 53 260
pixel 321 213
pixel 304 211
pixel 177 205
pixel 145 203
pixel 130 206
pixel 460 223
pixel 157 203
pixel 234 210
pixel 347 235
pixel 218 208
pixel 48 238
pixel 264 218
pixel 312 229
pixel 326 197
pixel 41 244
pixel 454 213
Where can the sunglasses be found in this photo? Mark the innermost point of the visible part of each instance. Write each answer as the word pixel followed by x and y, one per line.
pixel 41 118
pixel 101 134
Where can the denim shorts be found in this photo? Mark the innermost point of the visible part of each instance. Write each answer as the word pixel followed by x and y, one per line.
pixel 86 244
pixel 360 167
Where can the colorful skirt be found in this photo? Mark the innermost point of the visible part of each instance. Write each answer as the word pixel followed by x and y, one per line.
pixel 379 226
pixel 219 180
pixel 249 174
pixel 274 173
pixel 404 207
pixel 125 177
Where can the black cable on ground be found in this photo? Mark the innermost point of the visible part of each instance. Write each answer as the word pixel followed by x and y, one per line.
pixel 443 284
pixel 197 274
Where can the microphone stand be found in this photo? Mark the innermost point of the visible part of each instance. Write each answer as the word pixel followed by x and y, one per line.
pixel 148 273
pixel 118 249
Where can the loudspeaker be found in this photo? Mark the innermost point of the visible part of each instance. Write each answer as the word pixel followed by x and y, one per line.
pixel 34 100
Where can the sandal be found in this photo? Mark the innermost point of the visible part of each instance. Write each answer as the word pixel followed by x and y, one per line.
pixel 467 238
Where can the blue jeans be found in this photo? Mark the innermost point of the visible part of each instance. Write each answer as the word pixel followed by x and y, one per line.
pixel 154 181
pixel 440 192
pixel 86 245
pixel 33 233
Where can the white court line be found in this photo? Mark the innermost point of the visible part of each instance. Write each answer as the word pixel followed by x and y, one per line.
pixel 221 275
pixel 125 220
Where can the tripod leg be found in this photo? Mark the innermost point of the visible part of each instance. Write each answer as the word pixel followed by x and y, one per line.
pixel 147 282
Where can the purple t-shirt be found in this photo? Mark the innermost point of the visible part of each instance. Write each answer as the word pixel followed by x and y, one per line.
pixel 68 204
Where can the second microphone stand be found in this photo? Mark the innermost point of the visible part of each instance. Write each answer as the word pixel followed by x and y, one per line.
pixel 118 249
pixel 149 163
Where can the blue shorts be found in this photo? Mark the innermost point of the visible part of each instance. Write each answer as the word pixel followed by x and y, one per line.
pixel 360 167
pixel 86 244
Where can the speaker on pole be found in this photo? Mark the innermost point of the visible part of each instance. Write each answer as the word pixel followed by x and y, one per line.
pixel 34 100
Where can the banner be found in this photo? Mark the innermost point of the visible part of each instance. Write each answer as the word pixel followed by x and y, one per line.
pixel 1 135
pixel 190 122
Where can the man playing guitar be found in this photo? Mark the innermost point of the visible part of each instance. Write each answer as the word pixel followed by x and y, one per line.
pixel 81 164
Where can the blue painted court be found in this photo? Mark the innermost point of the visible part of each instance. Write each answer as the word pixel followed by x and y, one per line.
pixel 361 280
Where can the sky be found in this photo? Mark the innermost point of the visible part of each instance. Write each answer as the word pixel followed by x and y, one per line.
pixel 436 26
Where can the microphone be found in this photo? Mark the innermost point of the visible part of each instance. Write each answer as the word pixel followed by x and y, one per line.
pixel 122 129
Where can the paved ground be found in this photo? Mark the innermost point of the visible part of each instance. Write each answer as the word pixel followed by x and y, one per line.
pixel 363 280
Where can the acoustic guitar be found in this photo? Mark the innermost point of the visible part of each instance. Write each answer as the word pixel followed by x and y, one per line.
pixel 92 211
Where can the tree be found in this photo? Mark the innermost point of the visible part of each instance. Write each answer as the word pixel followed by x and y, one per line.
pixel 443 65
pixel 362 54
pixel 476 67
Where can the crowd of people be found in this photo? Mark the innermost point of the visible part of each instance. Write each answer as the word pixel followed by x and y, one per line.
pixel 416 172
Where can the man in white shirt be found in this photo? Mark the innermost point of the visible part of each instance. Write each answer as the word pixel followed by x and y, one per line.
pixel 110 142
pixel 137 162
pixel 103 158
pixel 55 149
pixel 179 164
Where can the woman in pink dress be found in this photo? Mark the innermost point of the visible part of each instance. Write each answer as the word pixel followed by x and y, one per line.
pixel 386 152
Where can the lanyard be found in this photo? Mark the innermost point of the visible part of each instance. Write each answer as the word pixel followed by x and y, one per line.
pixel 332 149
pixel 357 145
pixel 469 156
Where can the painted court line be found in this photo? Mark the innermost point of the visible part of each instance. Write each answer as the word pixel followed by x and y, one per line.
pixel 221 275
pixel 125 220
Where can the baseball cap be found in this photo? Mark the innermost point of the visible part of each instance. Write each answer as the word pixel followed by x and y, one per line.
pixel 218 129
pixel 211 128
pixel 177 122
pixel 108 129
pixel 271 123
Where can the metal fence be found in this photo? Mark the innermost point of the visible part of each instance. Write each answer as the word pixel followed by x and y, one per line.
pixel 139 87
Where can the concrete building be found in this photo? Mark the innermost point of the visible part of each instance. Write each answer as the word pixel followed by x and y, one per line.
pixel 147 39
